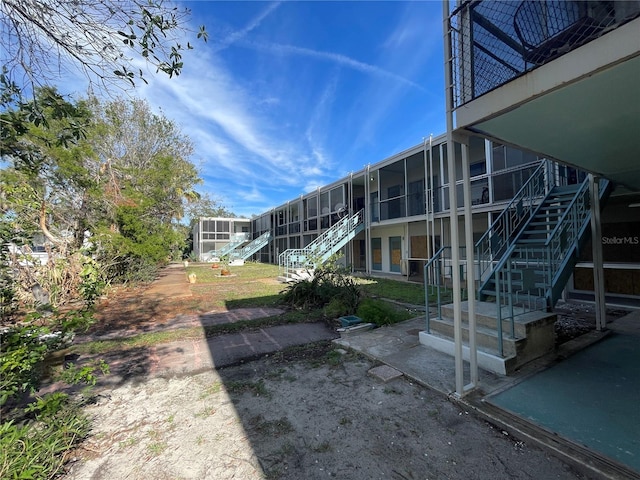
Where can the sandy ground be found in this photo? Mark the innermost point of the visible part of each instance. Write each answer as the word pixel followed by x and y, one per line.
pixel 312 413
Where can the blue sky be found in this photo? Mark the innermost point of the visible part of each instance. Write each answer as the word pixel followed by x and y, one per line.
pixel 289 96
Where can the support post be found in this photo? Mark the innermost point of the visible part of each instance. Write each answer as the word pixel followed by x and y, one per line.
pixel 471 270
pixel 596 246
pixel 453 205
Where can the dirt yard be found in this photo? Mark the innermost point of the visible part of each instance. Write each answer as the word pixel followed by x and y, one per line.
pixel 308 412
pixel 315 415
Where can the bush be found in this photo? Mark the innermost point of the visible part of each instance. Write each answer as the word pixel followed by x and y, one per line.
pixel 330 288
pixel 380 312
pixel 34 438
pixel 35 449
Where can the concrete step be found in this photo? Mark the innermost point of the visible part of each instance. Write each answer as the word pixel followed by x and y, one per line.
pixel 486 316
pixel 486 338
pixel 486 361
pixel 518 351
pixel 534 336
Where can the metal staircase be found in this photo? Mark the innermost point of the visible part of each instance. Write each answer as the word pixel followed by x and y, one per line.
pixel 523 263
pixel 297 263
pixel 251 248
pixel 236 241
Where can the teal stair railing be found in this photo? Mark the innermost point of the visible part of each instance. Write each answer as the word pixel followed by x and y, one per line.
pixel 251 248
pixel 236 241
pixel 527 255
pixel 317 252
pixel 500 235
pixel 533 274
pixel 438 284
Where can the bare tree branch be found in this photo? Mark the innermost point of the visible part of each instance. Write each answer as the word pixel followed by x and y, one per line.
pixel 107 40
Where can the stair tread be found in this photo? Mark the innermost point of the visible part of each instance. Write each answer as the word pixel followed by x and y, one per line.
pixel 481 329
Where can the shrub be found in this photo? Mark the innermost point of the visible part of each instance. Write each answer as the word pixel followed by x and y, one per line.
pixel 331 288
pixel 36 448
pixel 34 438
pixel 380 312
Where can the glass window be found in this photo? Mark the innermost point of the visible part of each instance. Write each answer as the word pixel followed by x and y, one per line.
pixel 312 207
pixel 337 198
pixel 416 198
pixel 479 168
pixel 498 157
pixel 325 206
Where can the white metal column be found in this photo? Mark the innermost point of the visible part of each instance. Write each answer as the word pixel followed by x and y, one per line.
pixel 471 274
pixel 596 247
pixel 367 221
pixel 453 203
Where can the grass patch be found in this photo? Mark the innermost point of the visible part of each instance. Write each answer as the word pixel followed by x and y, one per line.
pixel 323 447
pixel 382 313
pixel 271 428
pixel 212 389
pixel 334 358
pixel 405 292
pixel 205 412
pixel 248 271
pixel 344 421
pixel 36 448
pixel 137 341
pixel 255 324
pixel 129 442
pixel 257 389
pixel 145 340
pixel 156 448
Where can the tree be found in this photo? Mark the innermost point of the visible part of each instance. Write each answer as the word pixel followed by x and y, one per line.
pixel 144 159
pixel 105 39
pixel 206 206
pixel 147 180
pixel 124 184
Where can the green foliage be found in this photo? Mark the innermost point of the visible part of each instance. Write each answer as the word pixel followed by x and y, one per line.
pixel 35 449
pixel 34 438
pixel 24 347
pixel 401 291
pixel 23 351
pixel 92 285
pixel 380 312
pixel 330 287
pixel 74 374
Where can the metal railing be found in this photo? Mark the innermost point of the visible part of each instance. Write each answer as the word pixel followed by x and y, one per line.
pixel 494 243
pixel 494 42
pixel 438 275
pixel 318 251
pixel 248 250
pixel 528 277
pixel 532 276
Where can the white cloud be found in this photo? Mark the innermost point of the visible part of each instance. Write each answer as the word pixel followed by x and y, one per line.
pixel 238 35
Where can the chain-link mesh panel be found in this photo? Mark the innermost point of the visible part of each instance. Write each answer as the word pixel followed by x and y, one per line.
pixel 494 42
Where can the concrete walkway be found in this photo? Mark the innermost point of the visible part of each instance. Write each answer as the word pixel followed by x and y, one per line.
pixel 193 355
pixel 171 283
pixel 398 346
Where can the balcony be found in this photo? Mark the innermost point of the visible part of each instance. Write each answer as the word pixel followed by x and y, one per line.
pixel 558 78
pixel 497 42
